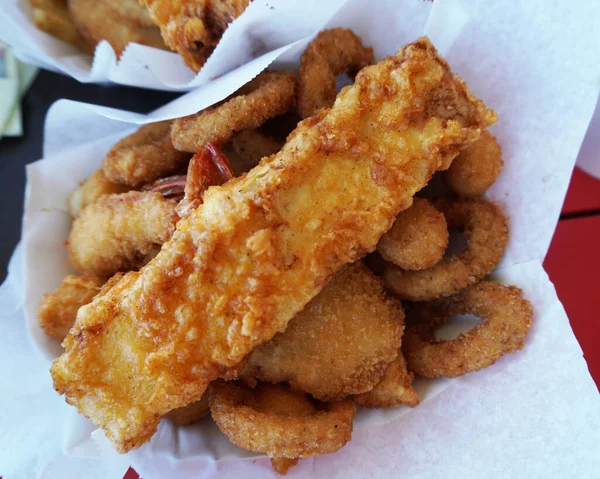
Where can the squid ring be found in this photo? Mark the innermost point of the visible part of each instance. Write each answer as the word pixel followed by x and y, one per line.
pixel 278 422
pixel 486 231
pixel 506 319
pixel 270 94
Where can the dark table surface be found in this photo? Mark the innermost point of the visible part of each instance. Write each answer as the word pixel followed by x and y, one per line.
pixel 15 153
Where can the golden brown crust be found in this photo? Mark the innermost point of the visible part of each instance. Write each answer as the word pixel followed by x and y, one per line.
pixel 417 239
pixel 117 232
pixel 58 309
pixel 476 168
pixel 96 21
pixel 270 94
pixel 90 190
pixel 331 53
pixel 340 344
pixel 263 245
pixel 281 465
pixel 394 389
pixel 191 413
pixel 144 156
pixel 260 420
pixel 252 146
pixel 486 231
pixel 506 319
pixel 193 28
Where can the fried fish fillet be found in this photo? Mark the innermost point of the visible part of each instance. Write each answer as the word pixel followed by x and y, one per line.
pixel 240 266
pixel 193 28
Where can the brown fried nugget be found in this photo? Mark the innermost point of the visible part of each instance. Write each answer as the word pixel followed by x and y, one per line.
pixel 340 344
pixel 117 232
pixel 90 190
pixel 144 156
pixel 417 239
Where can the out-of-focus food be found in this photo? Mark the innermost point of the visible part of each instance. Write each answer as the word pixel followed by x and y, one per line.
pixel 117 232
pixel 252 146
pixel 417 239
pixel 476 168
pixel 281 465
pixel 191 413
pixel 193 28
pixel 486 231
pixel 144 156
pixel 270 94
pixel 333 52
pixel 394 389
pixel 278 422
pixel 97 20
pixel 58 309
pixel 131 11
pixel 52 16
pixel 242 265
pixel 340 344
pixel 92 189
pixel 506 317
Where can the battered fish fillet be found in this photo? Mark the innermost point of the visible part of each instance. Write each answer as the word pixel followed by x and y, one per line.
pixel 263 245
pixel 340 344
pixel 193 28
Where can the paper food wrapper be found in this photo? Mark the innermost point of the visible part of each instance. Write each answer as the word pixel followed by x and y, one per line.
pixel 264 27
pixel 531 414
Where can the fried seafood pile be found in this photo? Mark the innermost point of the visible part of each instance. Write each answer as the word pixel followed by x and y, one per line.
pixel 219 256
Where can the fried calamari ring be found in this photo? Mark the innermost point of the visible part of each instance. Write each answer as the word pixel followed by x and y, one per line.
pixel 117 232
pixel 476 168
pixel 270 94
pixel 58 309
pixel 340 344
pixel 90 190
pixel 333 52
pixel 144 156
pixel 278 422
pixel 191 413
pixel 394 389
pixel 486 231
pixel 417 239
pixel 95 21
pixel 506 319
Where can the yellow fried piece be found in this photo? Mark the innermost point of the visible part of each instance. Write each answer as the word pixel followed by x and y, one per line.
pixel 144 156
pixel 476 168
pixel 191 413
pixel 193 28
pixel 117 232
pixel 280 423
pixel 243 264
pixel 92 189
pixel 281 465
pixel 58 309
pixel 52 16
pixel 340 344
pixel 417 239
pixel 96 21
pixel 394 389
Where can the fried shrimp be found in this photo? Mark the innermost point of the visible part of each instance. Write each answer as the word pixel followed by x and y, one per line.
pixel 394 389
pixel 417 239
pixel 333 52
pixel 144 156
pixel 486 231
pixel 193 28
pixel 117 232
pixel 340 344
pixel 506 317
pixel 96 21
pixel 58 309
pixel 270 94
pixel 476 168
pixel 92 189
pixel 278 422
